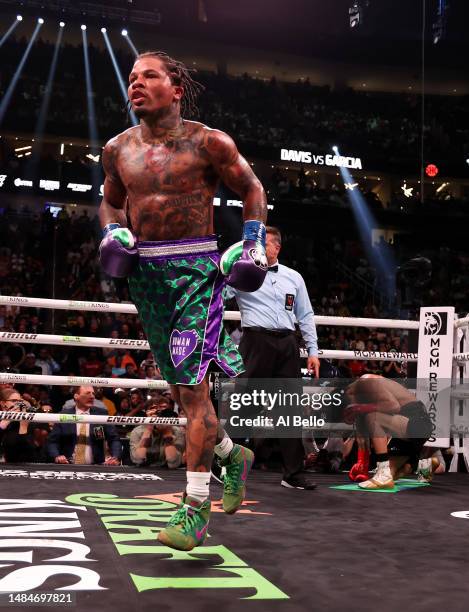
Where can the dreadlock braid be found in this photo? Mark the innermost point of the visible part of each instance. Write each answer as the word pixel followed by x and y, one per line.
pixel 180 75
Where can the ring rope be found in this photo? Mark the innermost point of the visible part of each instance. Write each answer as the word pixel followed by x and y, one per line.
pixel 76 381
pixel 101 419
pixel 229 315
pixel 136 345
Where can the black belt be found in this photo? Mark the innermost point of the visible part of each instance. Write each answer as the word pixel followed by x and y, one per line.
pixel 280 333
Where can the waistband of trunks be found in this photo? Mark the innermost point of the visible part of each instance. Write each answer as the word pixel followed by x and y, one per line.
pixel 186 247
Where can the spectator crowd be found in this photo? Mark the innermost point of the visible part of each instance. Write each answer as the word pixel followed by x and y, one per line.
pixel 258 113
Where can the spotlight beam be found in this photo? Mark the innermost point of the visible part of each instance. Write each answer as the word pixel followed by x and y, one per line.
pixel 92 126
pixel 9 31
pixel 120 80
pixel 383 262
pixel 42 118
pixel 131 44
pixel 11 87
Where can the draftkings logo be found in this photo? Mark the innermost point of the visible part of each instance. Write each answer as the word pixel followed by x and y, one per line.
pixel 70 418
pixel 436 323
pixel 213 566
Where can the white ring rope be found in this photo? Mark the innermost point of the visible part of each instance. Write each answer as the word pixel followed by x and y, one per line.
pixel 76 381
pixel 135 345
pixel 26 302
pixel 229 315
pixel 101 419
pixel 365 355
pixel 27 338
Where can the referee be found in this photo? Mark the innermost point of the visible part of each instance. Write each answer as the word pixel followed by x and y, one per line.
pixel 269 346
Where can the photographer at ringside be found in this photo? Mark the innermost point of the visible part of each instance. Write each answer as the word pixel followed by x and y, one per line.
pixel 17 441
pixel 160 445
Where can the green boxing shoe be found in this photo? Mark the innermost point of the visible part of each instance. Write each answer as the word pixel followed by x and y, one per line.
pixel 188 526
pixel 237 466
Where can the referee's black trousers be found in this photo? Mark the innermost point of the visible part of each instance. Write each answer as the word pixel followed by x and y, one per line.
pixel 275 355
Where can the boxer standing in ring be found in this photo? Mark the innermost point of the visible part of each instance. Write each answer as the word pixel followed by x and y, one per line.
pixel 160 179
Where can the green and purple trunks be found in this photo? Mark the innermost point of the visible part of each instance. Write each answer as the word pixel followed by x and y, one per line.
pixel 177 289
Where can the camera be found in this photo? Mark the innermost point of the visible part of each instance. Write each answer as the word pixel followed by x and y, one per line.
pixel 25 407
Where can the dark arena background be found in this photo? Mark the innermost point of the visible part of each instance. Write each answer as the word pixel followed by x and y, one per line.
pixel 354 116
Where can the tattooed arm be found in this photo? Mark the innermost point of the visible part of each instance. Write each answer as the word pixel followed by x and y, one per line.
pixel 112 209
pixel 236 173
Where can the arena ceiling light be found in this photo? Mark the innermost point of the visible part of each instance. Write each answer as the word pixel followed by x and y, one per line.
pixel 335 148
pixel 62 24
pixel 40 20
pixel 13 25
pixel 432 170
pixel 83 27
pixel 441 187
pixel 103 30
pixel 408 191
pixel 356 12
pixel 440 23
pixel 126 35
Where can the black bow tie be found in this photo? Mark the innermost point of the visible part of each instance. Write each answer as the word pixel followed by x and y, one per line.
pixel 273 269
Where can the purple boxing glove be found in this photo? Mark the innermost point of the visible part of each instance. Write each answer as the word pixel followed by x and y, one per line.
pixel 245 263
pixel 117 251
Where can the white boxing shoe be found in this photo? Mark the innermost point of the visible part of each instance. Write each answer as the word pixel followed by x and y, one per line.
pixel 381 480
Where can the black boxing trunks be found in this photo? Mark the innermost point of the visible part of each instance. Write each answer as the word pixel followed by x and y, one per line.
pixel 419 429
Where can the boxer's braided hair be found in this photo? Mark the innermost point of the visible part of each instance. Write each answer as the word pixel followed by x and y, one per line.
pixel 180 75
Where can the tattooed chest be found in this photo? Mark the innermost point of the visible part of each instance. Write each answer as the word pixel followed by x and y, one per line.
pixel 159 170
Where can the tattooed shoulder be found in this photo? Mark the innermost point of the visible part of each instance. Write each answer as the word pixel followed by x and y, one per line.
pixel 113 148
pixel 109 156
pixel 220 147
pixel 194 127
